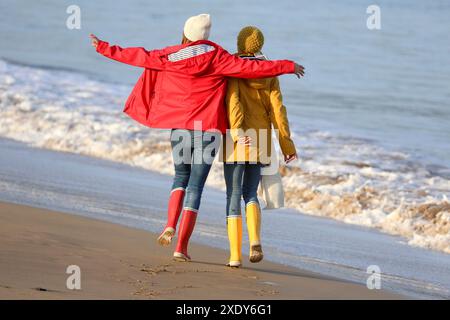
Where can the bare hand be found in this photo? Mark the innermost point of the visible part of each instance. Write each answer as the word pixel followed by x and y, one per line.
pixel 299 70
pixel 94 40
pixel 246 140
pixel 290 158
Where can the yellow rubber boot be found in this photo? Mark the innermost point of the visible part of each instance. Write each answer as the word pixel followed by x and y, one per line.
pixel 253 214
pixel 234 226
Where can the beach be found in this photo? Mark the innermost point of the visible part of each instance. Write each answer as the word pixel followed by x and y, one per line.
pixel 116 262
pixel 132 197
pixel 371 187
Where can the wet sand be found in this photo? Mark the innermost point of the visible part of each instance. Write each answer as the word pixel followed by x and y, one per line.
pixel 117 262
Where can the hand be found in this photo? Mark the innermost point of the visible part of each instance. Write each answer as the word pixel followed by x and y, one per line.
pixel 290 158
pixel 299 70
pixel 246 140
pixel 94 40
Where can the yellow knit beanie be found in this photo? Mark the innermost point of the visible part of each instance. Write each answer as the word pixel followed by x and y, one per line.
pixel 250 40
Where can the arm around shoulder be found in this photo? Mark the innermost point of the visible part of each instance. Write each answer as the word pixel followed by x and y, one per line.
pixel 232 66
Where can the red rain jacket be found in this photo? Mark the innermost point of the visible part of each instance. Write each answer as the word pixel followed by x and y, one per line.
pixel 172 95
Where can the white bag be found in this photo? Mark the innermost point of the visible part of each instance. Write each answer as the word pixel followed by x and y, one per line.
pixel 271 190
pixel 271 187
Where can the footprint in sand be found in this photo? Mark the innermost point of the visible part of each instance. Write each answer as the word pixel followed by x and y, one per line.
pixel 155 270
pixel 264 292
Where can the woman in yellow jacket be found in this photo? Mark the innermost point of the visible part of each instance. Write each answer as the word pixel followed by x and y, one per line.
pixel 253 106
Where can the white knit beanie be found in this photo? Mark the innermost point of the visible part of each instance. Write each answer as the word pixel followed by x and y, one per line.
pixel 197 27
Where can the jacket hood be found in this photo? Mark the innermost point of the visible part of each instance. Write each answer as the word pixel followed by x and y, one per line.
pixel 193 58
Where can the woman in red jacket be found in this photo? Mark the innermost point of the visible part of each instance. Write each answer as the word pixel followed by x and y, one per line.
pixel 183 88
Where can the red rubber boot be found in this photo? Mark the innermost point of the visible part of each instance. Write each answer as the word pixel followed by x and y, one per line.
pixel 184 233
pixel 173 213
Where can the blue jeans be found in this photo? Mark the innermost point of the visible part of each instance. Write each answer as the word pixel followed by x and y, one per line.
pixel 193 153
pixel 242 180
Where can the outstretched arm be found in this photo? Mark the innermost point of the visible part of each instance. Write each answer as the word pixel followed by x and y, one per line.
pixel 135 56
pixel 232 66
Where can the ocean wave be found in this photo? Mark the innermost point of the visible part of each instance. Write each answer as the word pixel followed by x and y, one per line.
pixel 344 178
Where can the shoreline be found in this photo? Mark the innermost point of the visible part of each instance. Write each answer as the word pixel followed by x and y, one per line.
pixel 118 262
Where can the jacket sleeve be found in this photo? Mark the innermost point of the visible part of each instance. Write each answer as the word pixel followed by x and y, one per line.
pixel 229 65
pixel 279 119
pixel 235 110
pixel 135 56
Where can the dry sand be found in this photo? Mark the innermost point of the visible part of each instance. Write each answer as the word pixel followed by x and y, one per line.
pixel 116 262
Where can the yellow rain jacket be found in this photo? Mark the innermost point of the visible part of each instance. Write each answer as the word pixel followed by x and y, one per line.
pixel 255 104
